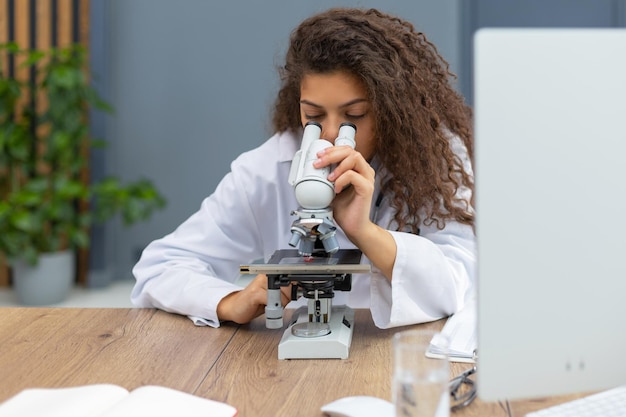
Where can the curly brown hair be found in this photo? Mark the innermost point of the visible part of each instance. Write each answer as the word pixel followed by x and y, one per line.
pixel 414 105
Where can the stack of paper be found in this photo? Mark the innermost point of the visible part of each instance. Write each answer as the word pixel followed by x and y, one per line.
pixel 460 330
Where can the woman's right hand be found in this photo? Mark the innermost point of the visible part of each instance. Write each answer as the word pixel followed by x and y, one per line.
pixel 245 305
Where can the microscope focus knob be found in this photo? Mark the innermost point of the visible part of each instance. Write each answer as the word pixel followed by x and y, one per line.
pixel 273 309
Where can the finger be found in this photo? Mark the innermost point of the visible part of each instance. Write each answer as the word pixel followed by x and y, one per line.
pixel 286 295
pixel 259 281
pixel 353 162
pixel 362 185
pixel 260 311
pixel 331 155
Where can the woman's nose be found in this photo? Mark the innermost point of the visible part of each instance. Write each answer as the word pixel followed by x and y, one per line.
pixel 330 132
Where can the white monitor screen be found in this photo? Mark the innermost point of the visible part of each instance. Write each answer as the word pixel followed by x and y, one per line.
pixel 550 166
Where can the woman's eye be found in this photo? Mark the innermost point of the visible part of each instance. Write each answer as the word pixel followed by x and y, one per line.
pixel 355 116
pixel 312 116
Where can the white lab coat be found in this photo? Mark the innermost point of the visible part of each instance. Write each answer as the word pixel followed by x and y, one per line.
pixel 248 217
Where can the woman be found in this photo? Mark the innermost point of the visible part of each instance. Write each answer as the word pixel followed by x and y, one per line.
pixel 404 193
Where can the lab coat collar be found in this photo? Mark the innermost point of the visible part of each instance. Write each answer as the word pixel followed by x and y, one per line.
pixel 288 145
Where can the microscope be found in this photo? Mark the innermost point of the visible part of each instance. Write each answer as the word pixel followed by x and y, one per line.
pixel 317 267
pixel 314 192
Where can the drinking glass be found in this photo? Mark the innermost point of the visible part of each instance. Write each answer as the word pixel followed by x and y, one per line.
pixel 420 386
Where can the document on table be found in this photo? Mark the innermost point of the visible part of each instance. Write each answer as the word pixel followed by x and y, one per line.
pixel 107 400
pixel 460 330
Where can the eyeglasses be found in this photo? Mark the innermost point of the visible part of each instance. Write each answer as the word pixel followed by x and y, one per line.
pixel 462 390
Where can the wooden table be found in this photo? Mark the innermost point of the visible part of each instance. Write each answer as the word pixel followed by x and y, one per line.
pixel 61 347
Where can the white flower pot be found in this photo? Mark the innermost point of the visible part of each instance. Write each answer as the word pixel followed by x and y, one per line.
pixel 48 282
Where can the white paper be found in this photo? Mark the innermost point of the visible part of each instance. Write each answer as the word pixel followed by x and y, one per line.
pixel 460 329
pixel 156 401
pixel 106 400
pixel 83 401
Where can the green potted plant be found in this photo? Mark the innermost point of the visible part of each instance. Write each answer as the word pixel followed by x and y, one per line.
pixel 47 203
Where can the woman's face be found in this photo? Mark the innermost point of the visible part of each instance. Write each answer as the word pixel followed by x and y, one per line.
pixel 333 98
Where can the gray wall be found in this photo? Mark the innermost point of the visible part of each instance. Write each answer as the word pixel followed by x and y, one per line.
pixel 192 83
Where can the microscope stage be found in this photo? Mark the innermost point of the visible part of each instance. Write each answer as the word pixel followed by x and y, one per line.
pixel 289 261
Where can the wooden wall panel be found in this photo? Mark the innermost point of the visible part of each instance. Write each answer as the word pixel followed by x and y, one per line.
pixel 4 273
pixel 44 25
pixel 4 22
pixel 41 24
pixel 65 22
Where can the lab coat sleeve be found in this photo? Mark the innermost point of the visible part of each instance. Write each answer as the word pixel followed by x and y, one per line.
pixel 190 270
pixel 434 272
pixel 432 275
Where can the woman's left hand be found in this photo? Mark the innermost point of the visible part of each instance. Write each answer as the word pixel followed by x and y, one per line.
pixel 354 185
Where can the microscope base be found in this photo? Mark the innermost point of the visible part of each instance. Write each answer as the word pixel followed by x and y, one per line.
pixel 335 345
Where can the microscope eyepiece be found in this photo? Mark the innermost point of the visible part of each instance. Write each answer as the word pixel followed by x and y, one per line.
pixel 347 132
